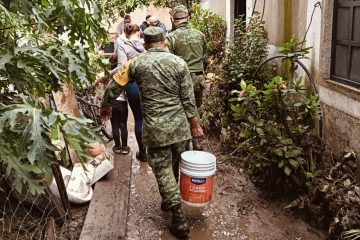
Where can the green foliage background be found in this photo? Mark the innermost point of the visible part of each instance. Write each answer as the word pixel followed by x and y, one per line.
pixel 43 46
pixel 213 26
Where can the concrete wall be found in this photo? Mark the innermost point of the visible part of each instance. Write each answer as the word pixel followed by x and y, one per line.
pixel 274 18
pixel 217 6
pixel 340 103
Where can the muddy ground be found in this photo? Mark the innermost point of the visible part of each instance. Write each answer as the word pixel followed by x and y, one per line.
pixel 237 210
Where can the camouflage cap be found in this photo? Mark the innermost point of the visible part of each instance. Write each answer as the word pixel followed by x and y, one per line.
pixel 179 9
pixel 153 35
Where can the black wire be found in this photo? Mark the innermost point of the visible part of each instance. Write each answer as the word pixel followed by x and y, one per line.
pixel 263 11
pixel 253 11
pixel 317 4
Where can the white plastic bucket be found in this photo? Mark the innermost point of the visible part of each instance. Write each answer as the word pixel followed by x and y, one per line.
pixel 197 169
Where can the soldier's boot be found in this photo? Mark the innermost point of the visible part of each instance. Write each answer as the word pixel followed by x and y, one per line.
pixel 179 226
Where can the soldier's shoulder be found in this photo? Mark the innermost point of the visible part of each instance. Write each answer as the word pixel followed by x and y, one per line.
pixel 198 32
pixel 171 34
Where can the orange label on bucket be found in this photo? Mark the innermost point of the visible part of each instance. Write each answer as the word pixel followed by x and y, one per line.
pixel 196 190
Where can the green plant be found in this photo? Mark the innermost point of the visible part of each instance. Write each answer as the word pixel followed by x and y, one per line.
pixel 43 45
pixel 247 51
pixel 293 50
pixel 28 135
pixel 275 122
pixel 213 26
pixel 116 8
pixel 332 199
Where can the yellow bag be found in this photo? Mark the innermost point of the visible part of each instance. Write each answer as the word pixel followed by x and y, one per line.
pixel 121 77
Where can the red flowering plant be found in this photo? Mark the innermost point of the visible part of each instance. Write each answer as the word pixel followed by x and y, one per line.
pixel 275 122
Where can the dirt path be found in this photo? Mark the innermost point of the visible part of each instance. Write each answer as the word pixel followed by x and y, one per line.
pixel 236 211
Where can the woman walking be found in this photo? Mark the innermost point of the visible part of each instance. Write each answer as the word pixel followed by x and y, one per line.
pixel 133 47
pixel 119 115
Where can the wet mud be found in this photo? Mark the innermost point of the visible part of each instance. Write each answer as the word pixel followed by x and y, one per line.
pixel 237 211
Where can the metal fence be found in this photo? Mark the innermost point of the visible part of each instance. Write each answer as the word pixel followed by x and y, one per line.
pixel 27 216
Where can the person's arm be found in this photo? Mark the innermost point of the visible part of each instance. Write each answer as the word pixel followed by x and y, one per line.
pixel 114 71
pixel 187 99
pixel 170 43
pixel 122 56
pixel 114 89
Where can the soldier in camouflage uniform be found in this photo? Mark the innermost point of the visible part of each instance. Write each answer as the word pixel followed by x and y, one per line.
pixel 170 117
pixel 190 45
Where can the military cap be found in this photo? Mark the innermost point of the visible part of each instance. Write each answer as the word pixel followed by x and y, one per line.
pixel 179 9
pixel 153 35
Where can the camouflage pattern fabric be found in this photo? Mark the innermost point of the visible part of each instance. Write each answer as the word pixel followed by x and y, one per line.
pixel 167 97
pixel 199 83
pixel 112 91
pixel 179 9
pixel 154 34
pixel 164 162
pixel 190 45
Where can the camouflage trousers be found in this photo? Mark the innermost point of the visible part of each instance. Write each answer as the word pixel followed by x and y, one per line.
pixel 164 162
pixel 199 83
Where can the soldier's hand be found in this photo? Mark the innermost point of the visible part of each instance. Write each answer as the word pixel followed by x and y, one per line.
pixel 197 132
pixel 105 113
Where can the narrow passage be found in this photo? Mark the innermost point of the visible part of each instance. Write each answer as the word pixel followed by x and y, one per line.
pixel 236 211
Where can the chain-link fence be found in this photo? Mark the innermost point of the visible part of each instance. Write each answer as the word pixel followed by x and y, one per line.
pixel 27 216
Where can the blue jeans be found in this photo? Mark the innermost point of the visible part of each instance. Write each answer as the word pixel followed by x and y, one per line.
pixel 133 97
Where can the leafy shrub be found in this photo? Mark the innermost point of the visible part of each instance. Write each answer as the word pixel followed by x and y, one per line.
pixel 246 53
pixel 44 45
pixel 333 197
pixel 28 133
pixel 213 26
pixel 291 51
pixel 276 125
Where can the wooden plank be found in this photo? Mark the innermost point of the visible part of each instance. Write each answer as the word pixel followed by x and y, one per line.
pixel 107 214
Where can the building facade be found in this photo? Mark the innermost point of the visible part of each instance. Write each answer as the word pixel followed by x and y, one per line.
pixel 332 28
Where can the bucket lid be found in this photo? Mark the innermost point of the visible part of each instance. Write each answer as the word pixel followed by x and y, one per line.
pixel 198 158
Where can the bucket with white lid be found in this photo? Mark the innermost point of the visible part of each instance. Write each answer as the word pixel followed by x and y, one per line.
pixel 197 170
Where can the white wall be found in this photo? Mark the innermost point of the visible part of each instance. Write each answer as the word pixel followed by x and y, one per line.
pixel 313 38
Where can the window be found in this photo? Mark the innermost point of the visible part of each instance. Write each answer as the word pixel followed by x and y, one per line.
pixel 345 65
pixel 240 9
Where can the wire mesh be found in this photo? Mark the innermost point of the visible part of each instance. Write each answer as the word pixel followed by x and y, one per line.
pixel 27 216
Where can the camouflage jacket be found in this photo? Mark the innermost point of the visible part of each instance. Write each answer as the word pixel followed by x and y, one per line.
pixel 167 97
pixel 190 45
